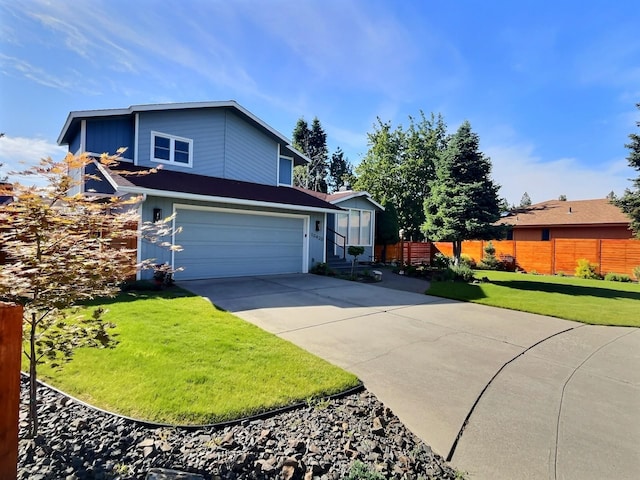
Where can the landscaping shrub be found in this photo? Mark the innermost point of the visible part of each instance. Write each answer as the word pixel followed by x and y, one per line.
pixel 322 269
pixel 441 261
pixel 489 260
pixel 460 273
pixel 617 277
pixel 586 269
pixel 467 260
pixel 636 273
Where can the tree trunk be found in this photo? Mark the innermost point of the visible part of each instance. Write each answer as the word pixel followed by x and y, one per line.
pixel 457 252
pixel 33 387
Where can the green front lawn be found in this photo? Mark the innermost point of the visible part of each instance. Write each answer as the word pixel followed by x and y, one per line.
pixel 180 360
pixel 589 301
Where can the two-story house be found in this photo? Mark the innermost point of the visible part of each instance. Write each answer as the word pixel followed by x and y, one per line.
pixel 227 176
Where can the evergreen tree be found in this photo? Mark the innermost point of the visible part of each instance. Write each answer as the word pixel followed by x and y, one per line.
pixel 525 201
pixel 340 171
pixel 463 202
pixel 313 143
pixel 562 198
pixel 611 196
pixel 630 200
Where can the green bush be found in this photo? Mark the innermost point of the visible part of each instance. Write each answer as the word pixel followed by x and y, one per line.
pixel 489 260
pixel 360 471
pixel 441 261
pixel 617 277
pixel 321 269
pixel 586 269
pixel 460 273
pixel 636 273
pixel 467 260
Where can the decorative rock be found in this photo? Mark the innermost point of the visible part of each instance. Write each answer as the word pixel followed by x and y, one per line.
pixel 78 443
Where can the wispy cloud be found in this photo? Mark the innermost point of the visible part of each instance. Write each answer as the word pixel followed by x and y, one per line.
pixel 18 153
pixel 518 169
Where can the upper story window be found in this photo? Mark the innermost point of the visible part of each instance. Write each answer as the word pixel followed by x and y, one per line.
pixel 285 171
pixel 171 149
pixel 545 235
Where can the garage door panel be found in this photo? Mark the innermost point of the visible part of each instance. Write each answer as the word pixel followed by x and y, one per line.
pixel 222 244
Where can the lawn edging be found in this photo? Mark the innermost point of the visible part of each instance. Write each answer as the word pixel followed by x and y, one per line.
pixel 229 423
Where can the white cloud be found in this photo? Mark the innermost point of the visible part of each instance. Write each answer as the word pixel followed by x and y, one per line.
pixel 517 169
pixel 18 153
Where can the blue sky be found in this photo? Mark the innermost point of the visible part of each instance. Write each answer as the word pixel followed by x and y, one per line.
pixel 550 87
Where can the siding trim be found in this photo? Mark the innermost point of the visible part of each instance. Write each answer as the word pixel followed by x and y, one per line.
pixel 136 132
pixel 225 200
pixel 305 225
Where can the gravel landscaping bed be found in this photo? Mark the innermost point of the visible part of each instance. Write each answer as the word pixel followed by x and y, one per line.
pixel 320 441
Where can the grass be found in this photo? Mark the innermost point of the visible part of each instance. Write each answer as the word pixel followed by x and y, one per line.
pixel 181 360
pixel 589 301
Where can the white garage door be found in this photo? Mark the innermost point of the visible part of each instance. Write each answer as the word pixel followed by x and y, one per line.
pixel 225 243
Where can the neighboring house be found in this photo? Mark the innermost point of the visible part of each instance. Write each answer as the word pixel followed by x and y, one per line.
pixel 227 176
pixel 355 226
pixel 568 219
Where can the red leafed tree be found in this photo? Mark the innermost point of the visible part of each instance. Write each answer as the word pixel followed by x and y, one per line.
pixel 62 249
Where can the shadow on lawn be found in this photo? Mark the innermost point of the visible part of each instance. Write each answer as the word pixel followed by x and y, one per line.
pixel 135 295
pixel 573 290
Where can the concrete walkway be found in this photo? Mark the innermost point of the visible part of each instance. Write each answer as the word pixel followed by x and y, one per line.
pixel 502 394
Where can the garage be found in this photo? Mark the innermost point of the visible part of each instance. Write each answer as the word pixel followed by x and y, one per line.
pixel 220 242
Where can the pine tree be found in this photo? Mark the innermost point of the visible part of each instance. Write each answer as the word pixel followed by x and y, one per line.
pixel 340 171
pixel 313 143
pixel 630 200
pixel 463 202
pixel 525 201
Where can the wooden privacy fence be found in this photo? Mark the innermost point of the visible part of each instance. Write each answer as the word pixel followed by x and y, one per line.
pixel 559 254
pixel 408 252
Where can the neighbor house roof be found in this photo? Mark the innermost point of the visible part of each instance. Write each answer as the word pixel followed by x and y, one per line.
pixel 567 213
pixel 168 183
pixel 342 196
pixel 74 118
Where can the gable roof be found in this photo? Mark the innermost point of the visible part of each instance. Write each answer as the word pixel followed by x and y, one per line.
pixel 567 213
pixel 189 186
pixel 338 197
pixel 76 116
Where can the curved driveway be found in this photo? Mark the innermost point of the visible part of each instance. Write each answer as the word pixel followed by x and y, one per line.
pixel 499 393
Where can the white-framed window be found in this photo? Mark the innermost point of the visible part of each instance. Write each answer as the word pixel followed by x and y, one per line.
pixel 167 148
pixel 356 226
pixel 285 171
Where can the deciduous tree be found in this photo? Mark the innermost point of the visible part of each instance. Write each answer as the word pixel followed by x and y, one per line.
pixel 399 165
pixel 61 250
pixel 463 202
pixel 629 202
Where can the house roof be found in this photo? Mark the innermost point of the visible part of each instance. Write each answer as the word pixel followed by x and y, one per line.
pixel 168 183
pixel 567 213
pixel 74 118
pixel 342 196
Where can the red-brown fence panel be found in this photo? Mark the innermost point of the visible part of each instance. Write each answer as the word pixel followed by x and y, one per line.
pixel 619 256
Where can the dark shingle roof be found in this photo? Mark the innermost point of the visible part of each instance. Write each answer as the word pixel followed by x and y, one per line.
pixel 188 183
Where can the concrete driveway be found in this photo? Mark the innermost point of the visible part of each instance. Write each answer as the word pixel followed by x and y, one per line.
pixel 499 393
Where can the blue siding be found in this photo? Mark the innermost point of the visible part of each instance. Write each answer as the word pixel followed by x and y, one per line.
pixel 205 127
pixel 250 155
pixel 110 134
pixel 316 239
pixel 360 203
pixel 74 144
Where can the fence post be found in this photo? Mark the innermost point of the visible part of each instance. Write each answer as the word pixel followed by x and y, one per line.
pixel 10 355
